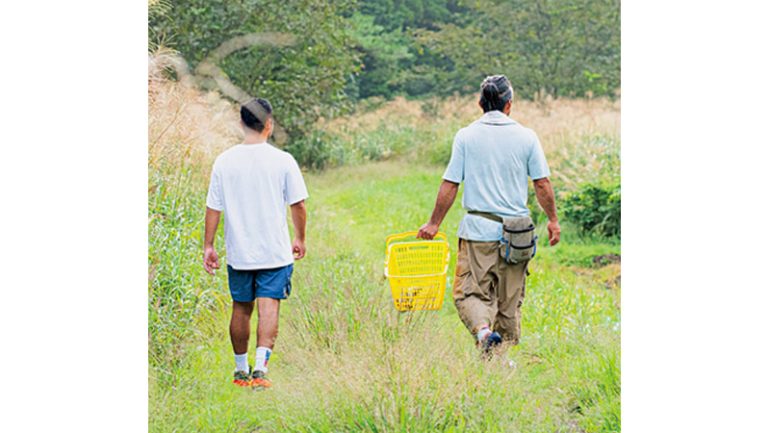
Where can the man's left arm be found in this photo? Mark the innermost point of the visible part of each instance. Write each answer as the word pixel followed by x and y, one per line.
pixel 447 193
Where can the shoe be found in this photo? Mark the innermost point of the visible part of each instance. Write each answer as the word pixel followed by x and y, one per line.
pixel 241 378
pixel 493 340
pixel 259 380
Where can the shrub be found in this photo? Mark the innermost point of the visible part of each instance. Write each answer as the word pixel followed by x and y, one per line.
pixel 317 151
pixel 595 208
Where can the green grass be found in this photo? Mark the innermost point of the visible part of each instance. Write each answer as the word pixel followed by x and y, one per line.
pixel 345 359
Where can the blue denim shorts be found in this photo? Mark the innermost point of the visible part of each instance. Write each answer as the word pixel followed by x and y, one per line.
pixel 247 285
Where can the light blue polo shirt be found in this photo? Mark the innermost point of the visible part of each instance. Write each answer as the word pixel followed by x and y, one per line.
pixel 494 156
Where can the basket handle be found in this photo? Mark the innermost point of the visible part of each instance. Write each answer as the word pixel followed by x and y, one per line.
pixel 397 237
pixel 405 235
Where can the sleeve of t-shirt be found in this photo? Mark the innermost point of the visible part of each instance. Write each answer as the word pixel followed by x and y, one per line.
pixel 537 166
pixel 295 184
pixel 455 171
pixel 215 197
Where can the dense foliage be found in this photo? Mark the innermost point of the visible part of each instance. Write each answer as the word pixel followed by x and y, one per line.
pixel 436 48
pixel 556 47
pixel 343 50
pixel 595 208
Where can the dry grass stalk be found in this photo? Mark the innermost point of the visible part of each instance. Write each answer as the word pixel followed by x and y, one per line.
pixel 186 126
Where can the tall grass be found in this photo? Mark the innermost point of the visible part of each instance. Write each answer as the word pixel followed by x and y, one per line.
pixel 345 359
pixel 580 137
pixel 186 130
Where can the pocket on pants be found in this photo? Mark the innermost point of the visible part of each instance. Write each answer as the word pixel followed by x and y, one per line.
pixel 463 262
pixel 462 270
pixel 287 289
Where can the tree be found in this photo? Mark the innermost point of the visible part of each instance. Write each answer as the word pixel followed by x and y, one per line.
pixel 303 81
pixel 384 54
pixel 555 47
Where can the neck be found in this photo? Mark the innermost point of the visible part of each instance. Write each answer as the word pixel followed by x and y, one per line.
pixel 254 138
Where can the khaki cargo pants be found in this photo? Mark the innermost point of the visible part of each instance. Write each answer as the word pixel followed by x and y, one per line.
pixel 489 291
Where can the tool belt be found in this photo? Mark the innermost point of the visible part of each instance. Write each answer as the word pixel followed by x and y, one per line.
pixel 519 242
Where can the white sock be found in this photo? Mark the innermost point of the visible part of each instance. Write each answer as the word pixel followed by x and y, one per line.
pixel 483 333
pixel 242 362
pixel 263 356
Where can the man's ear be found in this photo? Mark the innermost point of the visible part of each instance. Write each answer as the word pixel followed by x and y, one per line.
pixel 269 126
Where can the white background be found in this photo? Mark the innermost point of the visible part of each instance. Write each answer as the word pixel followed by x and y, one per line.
pixel 74 216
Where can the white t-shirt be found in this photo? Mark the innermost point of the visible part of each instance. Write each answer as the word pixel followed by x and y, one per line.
pixel 253 184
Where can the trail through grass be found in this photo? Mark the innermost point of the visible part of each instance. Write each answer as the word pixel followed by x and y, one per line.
pixel 347 361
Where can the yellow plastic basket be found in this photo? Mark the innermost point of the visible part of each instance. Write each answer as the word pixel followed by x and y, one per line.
pixel 416 270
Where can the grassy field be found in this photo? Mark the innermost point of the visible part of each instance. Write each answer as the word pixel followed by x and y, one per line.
pixel 345 359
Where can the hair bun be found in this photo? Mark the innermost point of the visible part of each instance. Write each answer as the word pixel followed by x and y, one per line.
pixel 490 85
pixel 496 91
pixel 490 90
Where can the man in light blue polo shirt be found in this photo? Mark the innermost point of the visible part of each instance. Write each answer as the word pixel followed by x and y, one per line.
pixel 494 156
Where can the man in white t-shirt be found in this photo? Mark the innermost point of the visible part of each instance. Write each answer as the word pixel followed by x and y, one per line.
pixel 252 183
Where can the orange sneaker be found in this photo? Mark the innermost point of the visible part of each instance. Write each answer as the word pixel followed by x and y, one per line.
pixel 241 378
pixel 259 381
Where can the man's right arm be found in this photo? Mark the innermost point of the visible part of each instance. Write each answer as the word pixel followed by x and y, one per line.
pixel 454 174
pixel 545 196
pixel 446 197
pixel 210 258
